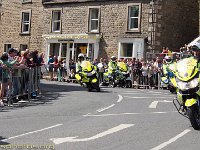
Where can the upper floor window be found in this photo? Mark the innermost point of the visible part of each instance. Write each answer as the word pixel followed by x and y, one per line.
pixel 134 17
pixel 94 20
pixel 26 21
pixel 56 21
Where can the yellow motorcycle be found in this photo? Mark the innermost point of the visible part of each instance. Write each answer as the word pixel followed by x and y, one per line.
pixel 88 76
pixel 125 80
pixel 188 91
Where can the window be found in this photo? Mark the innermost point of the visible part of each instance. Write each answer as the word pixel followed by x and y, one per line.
pixel 126 50
pixel 134 18
pixel 26 17
pixel 94 20
pixel 131 47
pixel 56 21
pixel 6 47
pixel 23 47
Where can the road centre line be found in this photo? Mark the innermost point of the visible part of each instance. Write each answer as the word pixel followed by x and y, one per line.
pixel 106 108
pixel 103 109
pixel 122 114
pixel 57 125
pixel 171 140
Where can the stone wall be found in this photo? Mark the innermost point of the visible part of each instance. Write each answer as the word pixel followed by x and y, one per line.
pixel 113 22
pixel 11 24
pixel 178 24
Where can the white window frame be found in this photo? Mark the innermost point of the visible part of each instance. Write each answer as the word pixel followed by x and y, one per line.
pixel 136 42
pixel 56 21
pixel 138 17
pixel 26 23
pixel 90 20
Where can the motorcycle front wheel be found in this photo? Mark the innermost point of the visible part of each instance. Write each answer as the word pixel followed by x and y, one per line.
pixel 129 84
pixel 194 118
pixel 111 83
pixel 96 86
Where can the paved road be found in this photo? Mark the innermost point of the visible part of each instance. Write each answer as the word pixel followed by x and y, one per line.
pixel 67 117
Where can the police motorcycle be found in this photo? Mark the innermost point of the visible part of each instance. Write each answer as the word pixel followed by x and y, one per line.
pixel 87 77
pixel 114 78
pixel 188 89
pixel 112 74
pixel 125 80
pixel 167 77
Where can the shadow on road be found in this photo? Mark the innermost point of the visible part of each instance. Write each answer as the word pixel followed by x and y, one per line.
pixel 50 91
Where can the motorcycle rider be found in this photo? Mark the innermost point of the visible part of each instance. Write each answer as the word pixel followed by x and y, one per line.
pixel 167 62
pixel 112 65
pixel 78 65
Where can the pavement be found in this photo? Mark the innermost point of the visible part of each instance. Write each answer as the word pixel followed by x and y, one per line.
pixel 68 117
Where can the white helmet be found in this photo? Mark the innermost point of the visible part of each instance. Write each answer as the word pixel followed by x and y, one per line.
pixel 113 58
pixel 168 59
pixel 81 55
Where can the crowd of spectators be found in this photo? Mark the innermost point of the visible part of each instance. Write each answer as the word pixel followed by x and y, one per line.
pixel 13 65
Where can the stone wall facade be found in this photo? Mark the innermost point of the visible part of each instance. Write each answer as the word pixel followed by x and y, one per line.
pixel 11 24
pixel 176 22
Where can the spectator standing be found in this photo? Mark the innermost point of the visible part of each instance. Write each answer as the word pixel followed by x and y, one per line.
pixel 101 69
pixel 56 66
pixel 51 66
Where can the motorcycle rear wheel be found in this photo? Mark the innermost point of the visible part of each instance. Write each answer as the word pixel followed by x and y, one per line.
pixel 194 118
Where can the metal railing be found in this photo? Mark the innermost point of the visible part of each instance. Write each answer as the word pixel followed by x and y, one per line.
pixel 20 83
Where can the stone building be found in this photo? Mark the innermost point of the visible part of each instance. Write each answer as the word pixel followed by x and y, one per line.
pixel 21 24
pixel 98 28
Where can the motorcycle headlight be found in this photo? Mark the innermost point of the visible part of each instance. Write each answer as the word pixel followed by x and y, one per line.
pixel 166 81
pixel 188 85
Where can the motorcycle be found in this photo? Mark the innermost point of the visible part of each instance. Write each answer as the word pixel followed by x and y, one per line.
pixel 188 91
pixel 88 77
pixel 166 82
pixel 125 81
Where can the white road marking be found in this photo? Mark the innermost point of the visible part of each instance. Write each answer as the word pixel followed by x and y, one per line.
pixel 136 97
pixel 155 103
pixel 155 92
pixel 103 109
pixel 73 139
pixel 32 132
pixel 123 114
pixel 120 98
pixel 171 140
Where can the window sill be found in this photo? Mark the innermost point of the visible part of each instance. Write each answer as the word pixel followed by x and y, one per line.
pixel 29 2
pixel 55 32
pixel 93 32
pixel 25 34
pixel 133 31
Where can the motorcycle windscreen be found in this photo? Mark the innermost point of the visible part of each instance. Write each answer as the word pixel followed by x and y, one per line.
pixel 122 66
pixel 187 69
pixel 86 66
